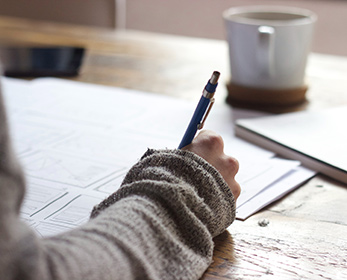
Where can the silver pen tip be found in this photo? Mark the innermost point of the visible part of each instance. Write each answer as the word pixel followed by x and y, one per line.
pixel 214 77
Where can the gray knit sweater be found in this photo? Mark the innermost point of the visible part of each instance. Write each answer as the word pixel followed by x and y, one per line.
pixel 158 225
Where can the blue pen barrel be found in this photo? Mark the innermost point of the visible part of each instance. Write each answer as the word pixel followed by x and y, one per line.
pixel 195 121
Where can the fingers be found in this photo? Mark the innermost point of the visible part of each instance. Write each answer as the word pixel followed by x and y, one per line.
pixel 207 144
pixel 229 164
pixel 210 146
pixel 228 167
pixel 211 140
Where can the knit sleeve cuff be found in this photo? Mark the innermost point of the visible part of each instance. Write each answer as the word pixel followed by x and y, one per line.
pixel 179 178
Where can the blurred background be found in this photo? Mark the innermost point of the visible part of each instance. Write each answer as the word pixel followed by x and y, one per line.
pixel 197 18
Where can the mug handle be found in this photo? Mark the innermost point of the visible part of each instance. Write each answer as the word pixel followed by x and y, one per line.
pixel 265 52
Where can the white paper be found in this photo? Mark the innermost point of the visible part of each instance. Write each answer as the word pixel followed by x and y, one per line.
pixel 76 142
pixel 274 191
pixel 256 176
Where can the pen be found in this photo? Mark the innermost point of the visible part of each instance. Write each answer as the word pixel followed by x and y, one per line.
pixel 202 110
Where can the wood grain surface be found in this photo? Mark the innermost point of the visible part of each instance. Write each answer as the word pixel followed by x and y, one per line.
pixel 302 236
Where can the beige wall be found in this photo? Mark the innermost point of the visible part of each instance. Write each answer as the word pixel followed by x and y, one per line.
pixel 199 18
pixel 85 12
pixel 203 18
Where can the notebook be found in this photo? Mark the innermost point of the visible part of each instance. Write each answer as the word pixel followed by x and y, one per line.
pixel 317 139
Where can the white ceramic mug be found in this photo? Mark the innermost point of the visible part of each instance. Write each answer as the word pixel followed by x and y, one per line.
pixel 269 45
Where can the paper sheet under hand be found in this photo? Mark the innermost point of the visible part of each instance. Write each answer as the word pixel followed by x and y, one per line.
pixel 76 142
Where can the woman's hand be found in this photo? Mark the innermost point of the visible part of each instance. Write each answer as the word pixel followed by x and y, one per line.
pixel 209 146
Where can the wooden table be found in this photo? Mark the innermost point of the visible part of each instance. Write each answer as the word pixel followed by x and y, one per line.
pixel 306 234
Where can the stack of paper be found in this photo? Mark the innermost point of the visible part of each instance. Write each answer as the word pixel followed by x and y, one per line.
pixel 76 142
pixel 316 138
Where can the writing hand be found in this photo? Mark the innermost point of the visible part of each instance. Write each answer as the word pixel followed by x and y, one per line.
pixel 209 145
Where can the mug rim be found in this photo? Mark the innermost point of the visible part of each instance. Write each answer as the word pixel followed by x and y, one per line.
pixel 305 16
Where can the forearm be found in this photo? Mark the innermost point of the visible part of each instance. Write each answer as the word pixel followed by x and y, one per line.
pixel 190 204
pixel 129 242
pixel 159 225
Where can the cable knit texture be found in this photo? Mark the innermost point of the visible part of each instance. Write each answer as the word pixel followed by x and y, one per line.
pixel 158 225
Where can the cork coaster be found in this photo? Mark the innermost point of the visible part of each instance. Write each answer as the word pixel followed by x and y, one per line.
pixel 270 100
